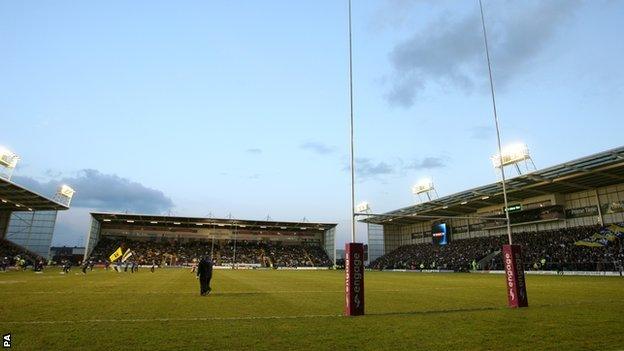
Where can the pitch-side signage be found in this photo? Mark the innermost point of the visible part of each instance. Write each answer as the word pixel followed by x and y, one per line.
pixel 514 276
pixel 354 279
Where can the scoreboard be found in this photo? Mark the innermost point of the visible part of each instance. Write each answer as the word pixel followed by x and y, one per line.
pixel 441 233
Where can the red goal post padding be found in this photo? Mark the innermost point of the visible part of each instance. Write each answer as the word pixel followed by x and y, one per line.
pixel 354 279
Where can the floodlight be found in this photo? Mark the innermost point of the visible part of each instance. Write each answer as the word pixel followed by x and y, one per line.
pixel 5 201
pixel 263 226
pixel 485 197
pixel 106 220
pixel 303 228
pixel 282 227
pixel 130 221
pixel 67 190
pixel 64 194
pixel 154 222
pixel 510 154
pixel 444 207
pixel 422 186
pixel 221 225
pixel 18 205
pixel 362 207
pixel 8 158
pixel 242 226
pixel 176 223
pixel 463 202
pixel 199 223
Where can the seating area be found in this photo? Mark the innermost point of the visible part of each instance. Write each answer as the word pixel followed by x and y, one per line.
pixel 12 255
pixel 265 254
pixel 543 250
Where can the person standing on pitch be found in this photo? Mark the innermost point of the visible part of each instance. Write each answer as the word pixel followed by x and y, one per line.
pixel 204 273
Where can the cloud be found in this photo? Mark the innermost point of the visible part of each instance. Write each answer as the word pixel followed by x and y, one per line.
pixel 481 132
pixel 254 151
pixel 449 51
pixel 365 168
pixel 50 173
pixel 427 163
pixel 317 147
pixel 393 14
pixel 104 192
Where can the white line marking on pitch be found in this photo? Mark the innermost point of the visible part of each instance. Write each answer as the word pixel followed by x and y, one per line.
pixel 214 293
pixel 139 320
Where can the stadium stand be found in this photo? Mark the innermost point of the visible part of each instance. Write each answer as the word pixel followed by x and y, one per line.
pixel 543 250
pixel 265 254
pixel 14 255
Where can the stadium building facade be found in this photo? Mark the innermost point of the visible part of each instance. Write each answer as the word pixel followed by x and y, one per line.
pixel 581 192
pixel 139 227
pixel 27 219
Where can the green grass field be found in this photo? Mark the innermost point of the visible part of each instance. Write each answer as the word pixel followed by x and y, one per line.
pixel 287 310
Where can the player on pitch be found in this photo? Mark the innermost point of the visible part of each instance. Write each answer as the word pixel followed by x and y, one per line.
pixel 204 273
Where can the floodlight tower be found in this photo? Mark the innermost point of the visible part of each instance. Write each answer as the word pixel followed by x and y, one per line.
pixel 516 155
pixel 64 194
pixel 363 208
pixel 8 162
pixel 354 252
pixel 512 254
pixel 425 186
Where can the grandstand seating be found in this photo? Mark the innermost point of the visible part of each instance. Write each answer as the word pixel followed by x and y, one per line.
pixel 265 254
pixel 10 253
pixel 555 247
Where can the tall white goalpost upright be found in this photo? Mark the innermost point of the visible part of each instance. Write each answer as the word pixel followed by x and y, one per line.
pixel 512 254
pixel 354 252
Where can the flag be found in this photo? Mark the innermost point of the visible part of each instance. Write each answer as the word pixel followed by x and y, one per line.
pixel 115 255
pixel 126 255
pixel 601 239
pixel 589 243
pixel 617 229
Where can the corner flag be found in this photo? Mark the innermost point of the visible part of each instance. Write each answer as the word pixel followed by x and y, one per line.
pixel 115 255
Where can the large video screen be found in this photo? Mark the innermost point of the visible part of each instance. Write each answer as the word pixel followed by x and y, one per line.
pixel 441 233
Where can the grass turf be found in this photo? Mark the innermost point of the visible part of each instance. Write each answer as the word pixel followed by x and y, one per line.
pixel 286 310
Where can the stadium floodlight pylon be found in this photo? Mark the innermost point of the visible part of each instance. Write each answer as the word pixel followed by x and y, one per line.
pixel 512 260
pixel 516 155
pixel 354 252
pixel 64 195
pixel 425 186
pixel 362 207
pixel 8 162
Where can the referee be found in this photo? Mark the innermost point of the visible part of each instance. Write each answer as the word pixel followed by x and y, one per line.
pixel 204 273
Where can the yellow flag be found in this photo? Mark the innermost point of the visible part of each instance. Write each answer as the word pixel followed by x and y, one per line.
pixel 116 254
pixel 616 228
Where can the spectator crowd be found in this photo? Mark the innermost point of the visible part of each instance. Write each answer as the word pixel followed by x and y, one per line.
pixel 13 255
pixel 225 252
pixel 543 250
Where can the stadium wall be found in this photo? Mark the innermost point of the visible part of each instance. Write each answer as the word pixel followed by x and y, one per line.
pixel 588 207
pixel 93 237
pixel 4 222
pixel 329 243
pixel 376 245
pixel 32 230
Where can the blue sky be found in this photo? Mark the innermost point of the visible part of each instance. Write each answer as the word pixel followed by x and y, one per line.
pixel 241 107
